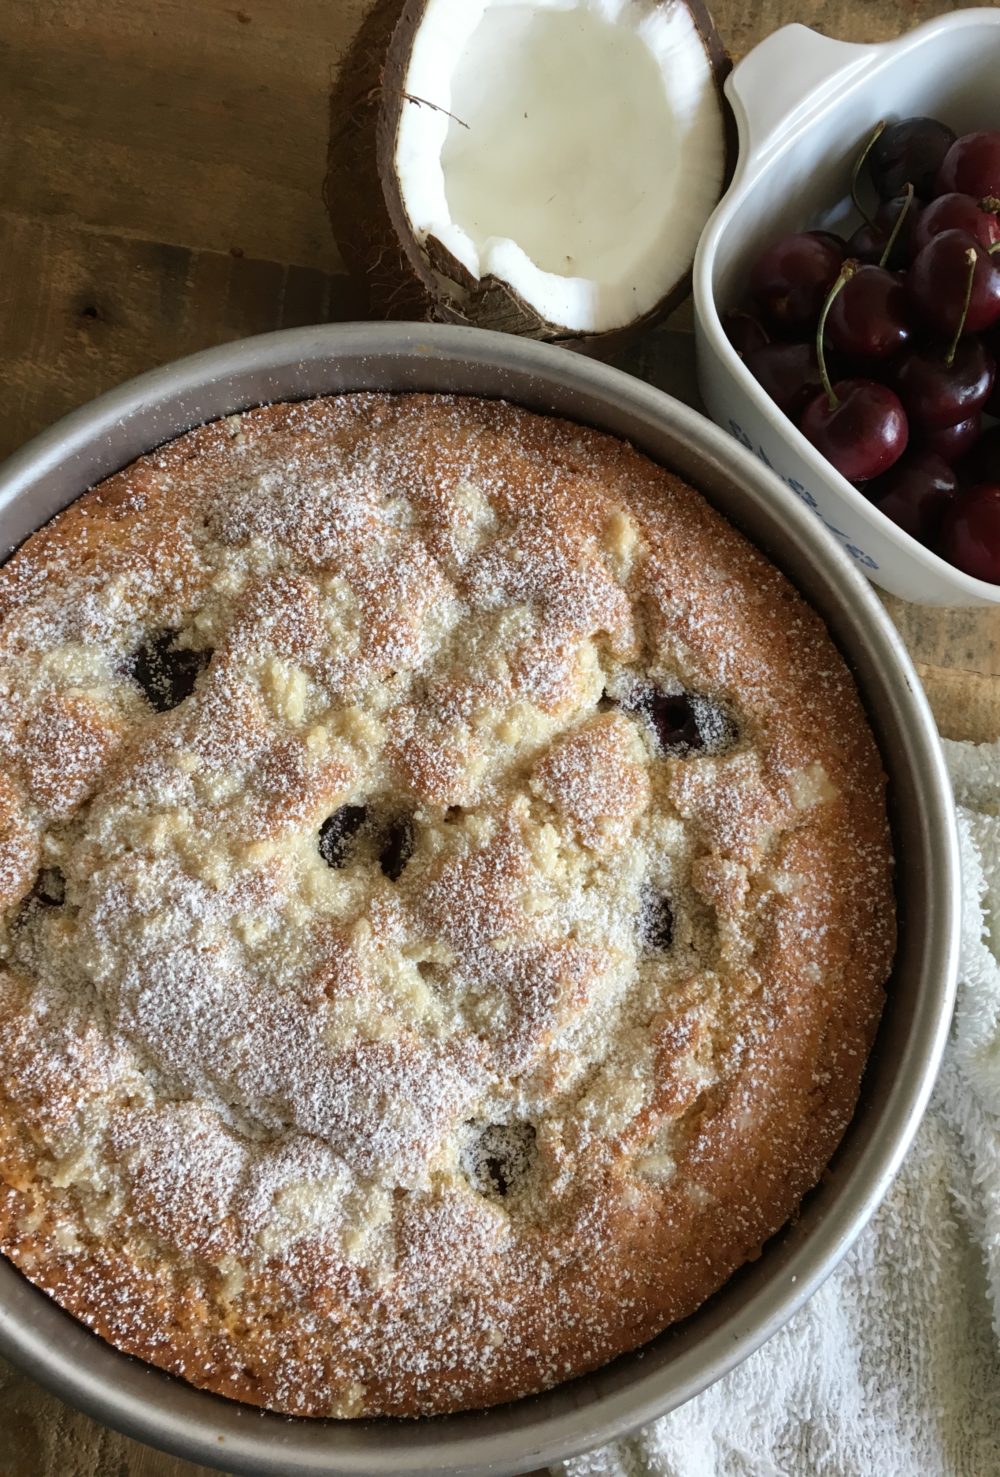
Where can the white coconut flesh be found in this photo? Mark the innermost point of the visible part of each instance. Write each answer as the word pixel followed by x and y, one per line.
pixel 574 149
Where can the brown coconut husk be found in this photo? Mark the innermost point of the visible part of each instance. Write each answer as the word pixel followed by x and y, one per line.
pixel 352 190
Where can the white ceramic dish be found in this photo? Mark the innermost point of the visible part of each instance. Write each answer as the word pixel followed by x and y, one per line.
pixel 802 102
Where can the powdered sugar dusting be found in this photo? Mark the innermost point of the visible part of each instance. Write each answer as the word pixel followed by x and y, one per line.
pixel 369 1128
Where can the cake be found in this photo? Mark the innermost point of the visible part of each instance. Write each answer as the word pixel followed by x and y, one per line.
pixel 446 895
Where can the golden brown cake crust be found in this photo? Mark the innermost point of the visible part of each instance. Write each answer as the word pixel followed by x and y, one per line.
pixel 447 897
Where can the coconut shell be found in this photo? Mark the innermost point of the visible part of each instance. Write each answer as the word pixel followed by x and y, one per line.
pixel 406 278
pixel 352 192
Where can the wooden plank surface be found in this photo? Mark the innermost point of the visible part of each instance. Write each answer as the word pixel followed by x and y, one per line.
pixel 161 171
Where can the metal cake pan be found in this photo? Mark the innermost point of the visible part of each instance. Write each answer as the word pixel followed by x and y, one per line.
pixel 157 1408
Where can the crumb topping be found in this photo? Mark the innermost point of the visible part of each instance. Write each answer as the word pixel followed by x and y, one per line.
pixel 445 893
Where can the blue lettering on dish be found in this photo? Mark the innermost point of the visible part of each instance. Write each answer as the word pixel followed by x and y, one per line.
pixel 806 496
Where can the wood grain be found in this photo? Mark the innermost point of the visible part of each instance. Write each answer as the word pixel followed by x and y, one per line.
pixel 195 123
pixel 161 172
pixel 83 310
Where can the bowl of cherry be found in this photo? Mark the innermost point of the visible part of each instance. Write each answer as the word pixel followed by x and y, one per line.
pixel 847 295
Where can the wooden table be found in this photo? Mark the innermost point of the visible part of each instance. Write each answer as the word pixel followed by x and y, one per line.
pixel 161 168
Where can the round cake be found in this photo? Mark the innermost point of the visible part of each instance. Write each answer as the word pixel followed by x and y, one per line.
pixel 446 896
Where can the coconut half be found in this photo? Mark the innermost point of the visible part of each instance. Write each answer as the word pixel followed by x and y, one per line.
pixel 546 166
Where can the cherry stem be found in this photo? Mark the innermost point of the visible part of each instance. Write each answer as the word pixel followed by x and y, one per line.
pixel 990 204
pixel 971 258
pixel 847 270
pixel 859 164
pixel 897 227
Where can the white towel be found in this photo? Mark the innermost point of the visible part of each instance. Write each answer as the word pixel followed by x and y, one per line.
pixel 893 1368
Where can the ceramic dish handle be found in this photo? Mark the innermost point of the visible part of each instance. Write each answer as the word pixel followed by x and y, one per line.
pixel 781 81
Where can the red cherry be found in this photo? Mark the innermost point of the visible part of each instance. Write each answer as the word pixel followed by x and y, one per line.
pixel 952 442
pixel 971 532
pixel 915 493
pixel 789 373
pixel 870 240
pixel 869 317
pixel 992 341
pixel 862 434
pixel 935 393
pixel 790 280
pixel 979 218
pixel 983 462
pixel 908 152
pixel 867 243
pixel 992 405
pixel 744 332
pixel 971 166
pixel 938 280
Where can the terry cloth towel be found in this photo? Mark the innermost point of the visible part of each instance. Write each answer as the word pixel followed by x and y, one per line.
pixel 892 1369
